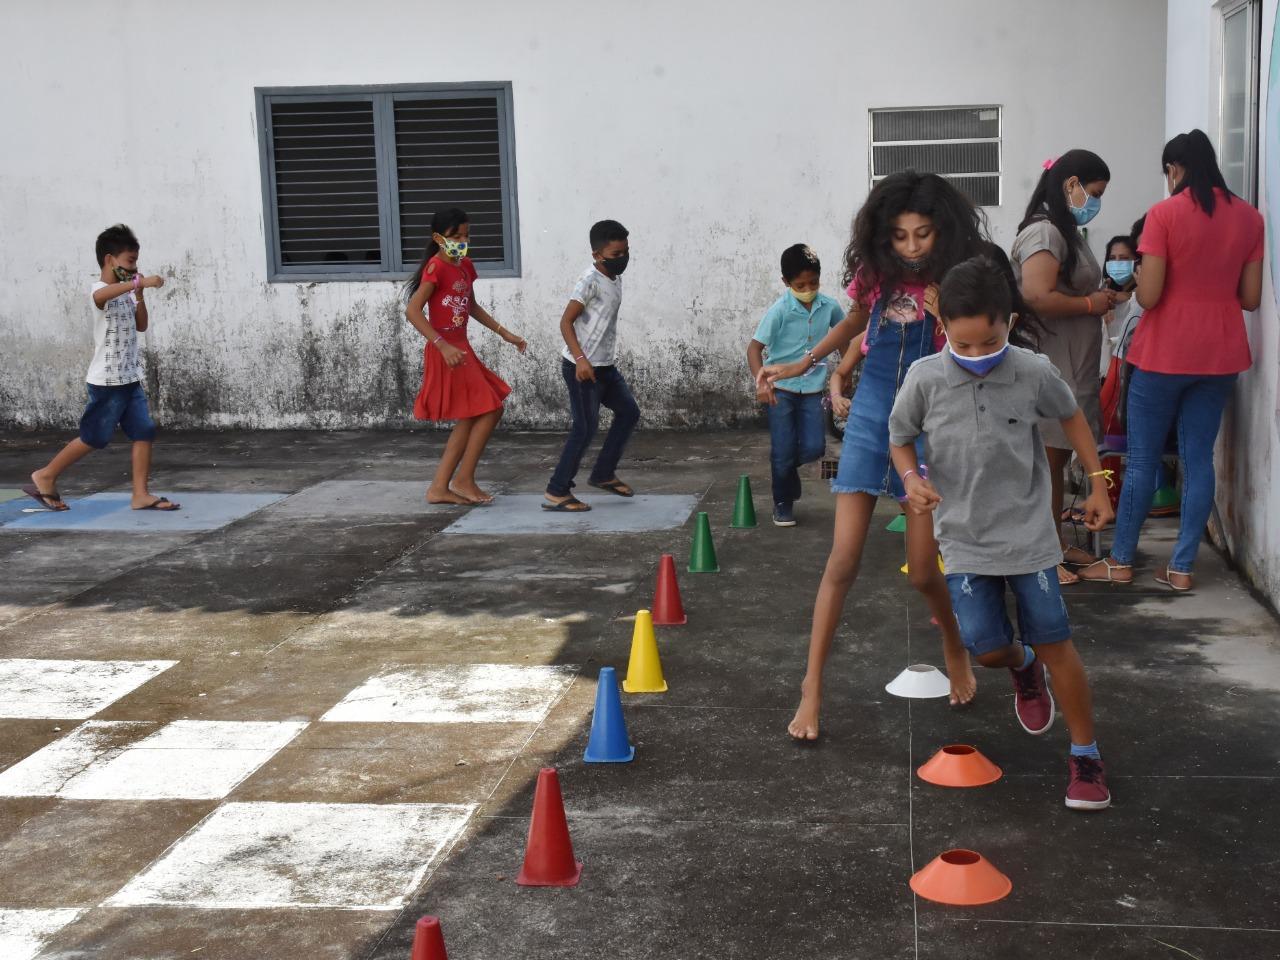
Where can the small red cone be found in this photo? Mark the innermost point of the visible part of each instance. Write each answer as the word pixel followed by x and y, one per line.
pixel 548 856
pixel 668 611
pixel 428 941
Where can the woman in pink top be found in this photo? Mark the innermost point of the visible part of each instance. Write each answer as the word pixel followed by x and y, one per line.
pixel 1201 255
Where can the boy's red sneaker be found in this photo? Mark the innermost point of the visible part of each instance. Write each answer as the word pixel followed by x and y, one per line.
pixel 1032 701
pixel 1087 789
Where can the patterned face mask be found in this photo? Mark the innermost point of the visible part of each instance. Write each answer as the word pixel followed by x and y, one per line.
pixel 453 249
pixel 124 273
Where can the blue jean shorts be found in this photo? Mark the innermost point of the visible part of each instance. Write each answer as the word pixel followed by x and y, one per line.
pixel 978 602
pixel 124 405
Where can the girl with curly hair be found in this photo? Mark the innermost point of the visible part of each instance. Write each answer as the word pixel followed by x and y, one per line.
pixel 911 230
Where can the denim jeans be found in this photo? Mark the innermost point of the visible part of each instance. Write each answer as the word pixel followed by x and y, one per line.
pixel 797 434
pixel 1158 401
pixel 124 405
pixel 609 390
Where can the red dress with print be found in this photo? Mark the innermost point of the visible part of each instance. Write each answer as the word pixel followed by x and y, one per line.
pixel 469 389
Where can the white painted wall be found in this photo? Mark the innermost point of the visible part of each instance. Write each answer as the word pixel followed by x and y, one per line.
pixel 1248 455
pixel 718 132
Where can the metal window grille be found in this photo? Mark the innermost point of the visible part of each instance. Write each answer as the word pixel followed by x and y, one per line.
pixel 1238 97
pixel 352 176
pixel 959 143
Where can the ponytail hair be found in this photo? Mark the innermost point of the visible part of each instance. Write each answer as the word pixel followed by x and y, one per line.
pixel 1049 199
pixel 1194 153
pixel 449 219
pixel 1026 332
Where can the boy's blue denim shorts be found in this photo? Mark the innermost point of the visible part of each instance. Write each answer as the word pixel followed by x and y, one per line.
pixel 125 405
pixel 978 602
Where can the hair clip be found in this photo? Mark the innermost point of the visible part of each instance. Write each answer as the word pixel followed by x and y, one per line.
pixel 1050 162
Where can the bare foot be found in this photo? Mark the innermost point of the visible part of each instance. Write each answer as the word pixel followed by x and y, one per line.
pixel 472 492
pixel 804 725
pixel 447 496
pixel 964 685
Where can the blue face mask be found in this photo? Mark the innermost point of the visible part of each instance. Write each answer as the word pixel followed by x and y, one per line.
pixel 1121 271
pixel 980 366
pixel 1090 209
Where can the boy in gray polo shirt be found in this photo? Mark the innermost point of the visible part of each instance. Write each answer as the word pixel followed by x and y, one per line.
pixel 977 403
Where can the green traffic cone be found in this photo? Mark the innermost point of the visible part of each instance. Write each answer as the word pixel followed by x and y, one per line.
pixel 744 509
pixel 898 524
pixel 702 558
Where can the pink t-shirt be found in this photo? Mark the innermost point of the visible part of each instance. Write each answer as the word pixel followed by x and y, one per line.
pixel 1197 326
pixel 905 306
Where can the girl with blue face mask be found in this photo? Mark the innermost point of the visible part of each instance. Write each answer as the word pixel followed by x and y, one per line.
pixel 1061 280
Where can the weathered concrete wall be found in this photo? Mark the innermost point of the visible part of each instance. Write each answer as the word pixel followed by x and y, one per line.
pixel 718 132
pixel 1248 455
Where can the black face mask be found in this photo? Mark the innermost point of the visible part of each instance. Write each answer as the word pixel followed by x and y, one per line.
pixel 915 266
pixel 616 265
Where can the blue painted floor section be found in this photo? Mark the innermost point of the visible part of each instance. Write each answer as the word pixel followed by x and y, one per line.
pixel 111 511
pixel 523 514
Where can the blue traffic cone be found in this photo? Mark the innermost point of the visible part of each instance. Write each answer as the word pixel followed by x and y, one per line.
pixel 609 742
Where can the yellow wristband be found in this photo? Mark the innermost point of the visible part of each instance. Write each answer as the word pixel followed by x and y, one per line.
pixel 1108 474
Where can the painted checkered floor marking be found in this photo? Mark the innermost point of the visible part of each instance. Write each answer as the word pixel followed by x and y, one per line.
pixel 475 693
pixel 122 760
pixel 254 856
pixel 23 933
pixel 7 495
pixel 70 689
pixel 111 511
pixel 523 514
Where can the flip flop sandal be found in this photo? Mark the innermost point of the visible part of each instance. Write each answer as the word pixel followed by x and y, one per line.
pixel 1110 568
pixel 616 487
pixel 45 500
pixel 156 505
pixel 1167 579
pixel 1066 583
pixel 1078 563
pixel 572 505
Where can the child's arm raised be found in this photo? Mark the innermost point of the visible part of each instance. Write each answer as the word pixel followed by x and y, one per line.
pixel 1097 508
pixel 113 290
pixel 838 338
pixel 413 312
pixel 585 371
pixel 485 319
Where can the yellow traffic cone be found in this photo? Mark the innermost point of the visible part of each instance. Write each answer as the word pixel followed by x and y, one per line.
pixel 644 671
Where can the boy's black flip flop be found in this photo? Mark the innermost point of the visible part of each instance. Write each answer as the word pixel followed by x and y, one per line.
pixel 156 505
pixel 46 500
pixel 572 505
pixel 614 487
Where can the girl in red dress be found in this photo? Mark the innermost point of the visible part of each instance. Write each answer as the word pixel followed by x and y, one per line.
pixel 455 384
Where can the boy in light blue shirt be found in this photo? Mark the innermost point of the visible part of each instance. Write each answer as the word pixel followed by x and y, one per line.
pixel 788 332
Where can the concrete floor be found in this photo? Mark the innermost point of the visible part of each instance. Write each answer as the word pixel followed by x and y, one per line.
pixel 294 733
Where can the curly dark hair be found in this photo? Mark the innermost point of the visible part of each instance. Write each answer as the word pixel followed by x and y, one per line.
pixel 961 229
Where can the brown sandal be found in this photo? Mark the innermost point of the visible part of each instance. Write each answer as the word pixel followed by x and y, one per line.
pixel 1167 580
pixel 1111 567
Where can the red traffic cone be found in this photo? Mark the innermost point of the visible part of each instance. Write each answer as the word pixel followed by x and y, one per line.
pixel 668 611
pixel 548 856
pixel 428 941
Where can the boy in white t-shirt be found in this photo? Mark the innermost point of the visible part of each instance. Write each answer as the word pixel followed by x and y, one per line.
pixel 589 327
pixel 114 379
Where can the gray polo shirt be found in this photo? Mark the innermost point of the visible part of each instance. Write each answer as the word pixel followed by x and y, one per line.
pixel 986 458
